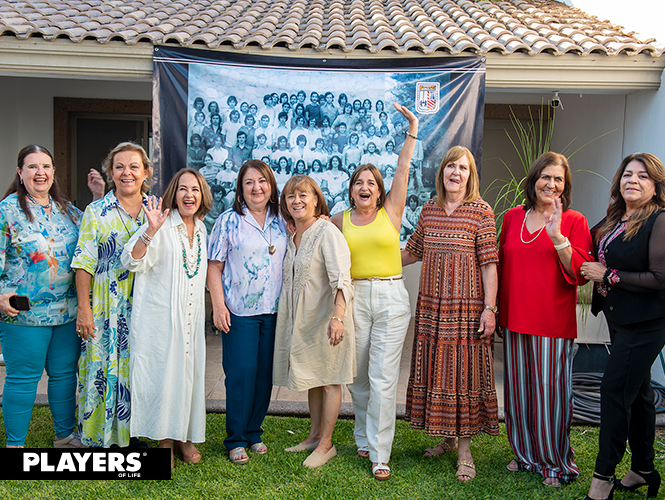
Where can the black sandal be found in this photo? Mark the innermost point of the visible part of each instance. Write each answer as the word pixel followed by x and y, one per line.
pixel 520 466
pixel 652 480
pixel 610 479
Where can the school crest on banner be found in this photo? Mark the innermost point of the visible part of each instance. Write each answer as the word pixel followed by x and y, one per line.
pixel 212 111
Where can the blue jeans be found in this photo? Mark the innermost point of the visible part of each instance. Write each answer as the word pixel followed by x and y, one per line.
pixel 28 350
pixel 247 353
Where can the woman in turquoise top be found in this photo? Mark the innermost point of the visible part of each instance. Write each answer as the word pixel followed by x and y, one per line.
pixel 37 241
pixel 104 289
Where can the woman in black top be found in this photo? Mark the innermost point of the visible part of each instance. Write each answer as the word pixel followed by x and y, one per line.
pixel 630 290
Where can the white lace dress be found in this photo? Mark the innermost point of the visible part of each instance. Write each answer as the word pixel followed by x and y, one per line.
pixel 304 358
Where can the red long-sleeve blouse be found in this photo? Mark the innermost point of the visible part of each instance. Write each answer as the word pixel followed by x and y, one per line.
pixel 536 295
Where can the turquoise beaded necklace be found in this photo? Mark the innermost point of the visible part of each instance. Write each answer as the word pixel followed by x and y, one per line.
pixel 185 261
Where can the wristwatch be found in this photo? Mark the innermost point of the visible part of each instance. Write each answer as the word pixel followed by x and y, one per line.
pixel 494 309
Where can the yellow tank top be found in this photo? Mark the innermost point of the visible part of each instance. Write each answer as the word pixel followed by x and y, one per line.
pixel 375 249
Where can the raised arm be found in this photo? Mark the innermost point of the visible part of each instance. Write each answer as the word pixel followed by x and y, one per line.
pixel 396 199
pixel 156 218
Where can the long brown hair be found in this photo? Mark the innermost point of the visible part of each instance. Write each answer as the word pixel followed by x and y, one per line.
pixel 273 202
pixel 19 188
pixel 545 160
pixel 472 184
pixel 617 206
pixel 169 201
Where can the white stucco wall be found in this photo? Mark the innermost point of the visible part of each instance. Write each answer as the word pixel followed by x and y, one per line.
pixel 645 122
pixel 27 111
pixel 581 120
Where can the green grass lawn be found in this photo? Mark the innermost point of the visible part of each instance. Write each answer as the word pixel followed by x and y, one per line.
pixel 281 475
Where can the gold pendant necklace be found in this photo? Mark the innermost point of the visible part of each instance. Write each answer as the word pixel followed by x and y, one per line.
pixel 522 231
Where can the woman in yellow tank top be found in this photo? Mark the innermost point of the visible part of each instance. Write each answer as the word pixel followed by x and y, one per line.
pixel 381 307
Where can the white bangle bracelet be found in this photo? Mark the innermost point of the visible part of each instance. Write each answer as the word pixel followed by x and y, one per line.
pixel 562 245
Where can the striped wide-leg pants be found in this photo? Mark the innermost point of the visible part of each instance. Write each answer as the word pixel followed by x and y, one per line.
pixel 538 391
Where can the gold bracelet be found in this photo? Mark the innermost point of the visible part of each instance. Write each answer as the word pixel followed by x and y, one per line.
pixel 340 320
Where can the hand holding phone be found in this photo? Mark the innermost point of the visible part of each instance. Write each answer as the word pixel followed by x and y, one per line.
pixel 19 302
pixel 7 303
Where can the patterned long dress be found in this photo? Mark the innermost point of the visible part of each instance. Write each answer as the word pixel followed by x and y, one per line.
pixel 103 389
pixel 451 385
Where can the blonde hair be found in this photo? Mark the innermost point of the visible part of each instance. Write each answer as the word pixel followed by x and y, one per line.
pixel 472 185
pixel 107 164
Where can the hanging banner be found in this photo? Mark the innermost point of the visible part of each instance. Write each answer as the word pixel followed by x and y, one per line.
pixel 212 111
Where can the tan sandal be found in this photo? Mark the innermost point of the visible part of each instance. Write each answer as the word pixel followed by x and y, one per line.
pixel 470 471
pixel 363 452
pixel 71 441
pixel 441 448
pixel 315 459
pixel 302 447
pixel 194 458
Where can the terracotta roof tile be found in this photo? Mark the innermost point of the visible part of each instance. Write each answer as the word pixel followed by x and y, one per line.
pixel 446 26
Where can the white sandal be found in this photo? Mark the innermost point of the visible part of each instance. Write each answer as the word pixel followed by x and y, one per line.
pixel 378 468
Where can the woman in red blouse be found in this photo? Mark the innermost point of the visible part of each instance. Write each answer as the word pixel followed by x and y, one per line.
pixel 542 246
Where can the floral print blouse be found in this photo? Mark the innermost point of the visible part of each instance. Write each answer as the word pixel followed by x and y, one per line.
pixel 252 276
pixel 35 261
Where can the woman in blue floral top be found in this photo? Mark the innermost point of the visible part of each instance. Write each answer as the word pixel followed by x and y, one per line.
pixel 245 253
pixel 104 289
pixel 37 241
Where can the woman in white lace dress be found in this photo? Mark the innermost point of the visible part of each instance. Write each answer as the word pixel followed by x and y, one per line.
pixel 314 342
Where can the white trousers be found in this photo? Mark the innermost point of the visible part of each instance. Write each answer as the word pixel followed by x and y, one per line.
pixel 381 316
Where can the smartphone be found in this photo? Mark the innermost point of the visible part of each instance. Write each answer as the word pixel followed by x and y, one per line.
pixel 19 302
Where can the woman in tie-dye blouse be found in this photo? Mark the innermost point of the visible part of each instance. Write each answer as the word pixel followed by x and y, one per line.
pixel 39 229
pixel 103 315
pixel 245 253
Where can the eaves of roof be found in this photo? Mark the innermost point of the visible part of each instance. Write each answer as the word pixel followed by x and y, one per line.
pixel 121 62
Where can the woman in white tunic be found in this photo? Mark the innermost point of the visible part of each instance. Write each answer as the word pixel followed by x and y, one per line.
pixel 167 356
pixel 314 342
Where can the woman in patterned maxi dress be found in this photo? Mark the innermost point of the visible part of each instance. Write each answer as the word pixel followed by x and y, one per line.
pixel 451 387
pixel 104 290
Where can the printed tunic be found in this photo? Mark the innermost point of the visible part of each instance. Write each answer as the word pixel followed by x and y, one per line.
pixel 35 261
pixel 252 277
pixel 103 389
pixel 451 385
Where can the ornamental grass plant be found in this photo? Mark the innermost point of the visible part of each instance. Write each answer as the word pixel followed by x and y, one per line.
pixel 280 475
